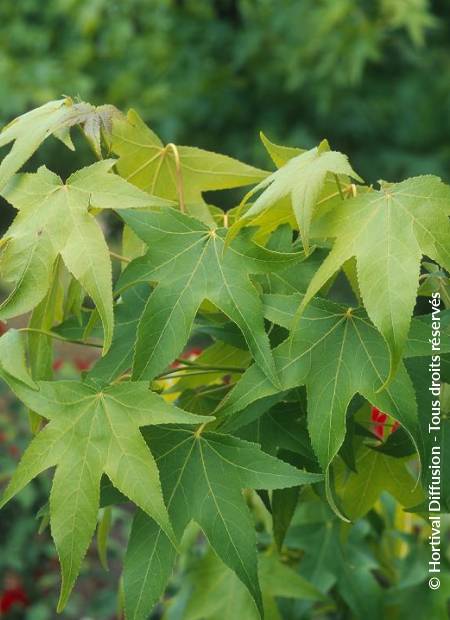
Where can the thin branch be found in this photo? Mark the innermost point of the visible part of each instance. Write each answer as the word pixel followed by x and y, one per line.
pixel 171 374
pixel 124 259
pixel 206 366
pixel 50 334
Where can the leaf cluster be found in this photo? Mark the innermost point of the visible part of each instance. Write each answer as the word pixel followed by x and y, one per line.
pixel 241 353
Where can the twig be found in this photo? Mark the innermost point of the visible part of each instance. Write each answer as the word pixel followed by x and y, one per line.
pixel 43 332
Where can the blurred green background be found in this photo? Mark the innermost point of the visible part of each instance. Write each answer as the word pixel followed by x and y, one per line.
pixel 373 76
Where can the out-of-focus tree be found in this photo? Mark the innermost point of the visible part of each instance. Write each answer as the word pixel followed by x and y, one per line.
pixel 371 75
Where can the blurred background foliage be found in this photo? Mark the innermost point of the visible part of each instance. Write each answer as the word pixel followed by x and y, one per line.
pixel 373 76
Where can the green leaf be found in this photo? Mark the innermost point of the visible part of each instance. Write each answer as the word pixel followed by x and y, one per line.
pixel 216 594
pixel 202 476
pixel 40 346
pixel 329 559
pixel 279 154
pixel 28 132
pixel 145 161
pixel 388 231
pixel 376 472
pixel 90 433
pixel 53 220
pixel 103 529
pixel 13 358
pixel 284 503
pixel 148 565
pixel 55 117
pixel 188 261
pixel 336 352
pixel 95 121
pixel 48 312
pixel 283 427
pixel 218 355
pixel 119 358
pixel 302 178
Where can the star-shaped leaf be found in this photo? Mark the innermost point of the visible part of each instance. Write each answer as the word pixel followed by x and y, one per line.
pixel 188 261
pixel 91 433
pixel 302 179
pixel 55 117
pixel 202 476
pixel 388 231
pixel 160 169
pixel 54 219
pixel 336 352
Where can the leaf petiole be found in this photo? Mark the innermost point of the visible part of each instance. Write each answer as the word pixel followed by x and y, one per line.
pixel 58 337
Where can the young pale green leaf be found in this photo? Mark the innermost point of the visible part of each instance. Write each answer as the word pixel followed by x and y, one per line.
pixel 388 231
pixel 202 476
pixel 55 117
pixel 336 352
pixel 28 132
pixel 54 219
pixel 90 433
pixel 188 261
pixel 279 154
pixel 301 178
pixel 95 121
pixel 13 358
pixel 175 172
